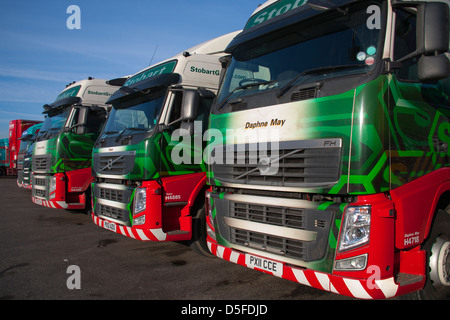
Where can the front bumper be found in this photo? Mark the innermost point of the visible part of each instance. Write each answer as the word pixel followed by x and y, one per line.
pixel 370 288
pixel 70 190
pixel 156 234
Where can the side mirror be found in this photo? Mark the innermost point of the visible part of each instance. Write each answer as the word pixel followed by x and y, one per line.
pixel 432 28
pixel 190 104
pixel 433 68
pixel 433 41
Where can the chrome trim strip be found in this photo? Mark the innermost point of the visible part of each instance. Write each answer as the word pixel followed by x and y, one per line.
pixel 310 187
pixel 279 202
pixel 283 145
pixel 284 232
pixel 113 186
pixel 40 177
pixel 113 204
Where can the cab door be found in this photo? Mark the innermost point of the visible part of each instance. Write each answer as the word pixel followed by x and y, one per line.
pixel 182 142
pixel 82 130
pixel 419 111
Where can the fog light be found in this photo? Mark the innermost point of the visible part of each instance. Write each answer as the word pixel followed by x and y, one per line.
pixel 140 200
pixel 352 264
pixel 139 220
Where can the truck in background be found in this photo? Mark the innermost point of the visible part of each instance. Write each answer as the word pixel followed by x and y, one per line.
pixel 139 190
pixel 4 156
pixel 25 156
pixel 16 129
pixel 341 180
pixel 62 152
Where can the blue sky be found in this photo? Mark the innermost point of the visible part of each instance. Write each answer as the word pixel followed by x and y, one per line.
pixel 39 55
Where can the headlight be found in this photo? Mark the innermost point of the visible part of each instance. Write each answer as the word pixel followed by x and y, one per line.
pixel 355 230
pixel 52 188
pixel 140 199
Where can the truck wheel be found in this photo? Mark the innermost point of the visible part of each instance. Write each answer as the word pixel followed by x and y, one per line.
pixel 198 242
pixel 437 246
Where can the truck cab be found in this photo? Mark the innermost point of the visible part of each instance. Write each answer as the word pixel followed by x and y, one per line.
pixel 25 156
pixel 148 184
pixel 63 148
pixel 332 120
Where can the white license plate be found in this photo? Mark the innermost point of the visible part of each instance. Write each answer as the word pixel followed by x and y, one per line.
pixel 109 225
pixel 265 264
pixel 38 201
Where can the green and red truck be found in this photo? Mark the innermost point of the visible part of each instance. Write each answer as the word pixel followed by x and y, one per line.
pixel 331 166
pixel 139 190
pixel 25 156
pixel 61 162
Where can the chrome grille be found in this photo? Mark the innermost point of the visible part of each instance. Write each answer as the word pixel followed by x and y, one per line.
pixel 277 245
pixel 40 193
pixel 289 217
pixel 111 212
pixel 112 202
pixel 111 194
pixel 41 182
pixel 295 164
pixel 40 186
pixel 42 163
pixel 290 230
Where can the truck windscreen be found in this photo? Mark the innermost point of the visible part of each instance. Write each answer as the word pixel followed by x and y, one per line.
pixel 333 44
pixel 139 113
pixel 53 124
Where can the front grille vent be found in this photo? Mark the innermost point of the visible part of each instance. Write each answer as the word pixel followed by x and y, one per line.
pixel 305 94
pixel 42 163
pixel 291 218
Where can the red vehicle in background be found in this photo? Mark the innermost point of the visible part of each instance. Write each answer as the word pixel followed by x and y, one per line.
pixel 16 128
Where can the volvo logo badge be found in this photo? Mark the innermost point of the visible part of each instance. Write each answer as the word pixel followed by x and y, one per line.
pixel 264 165
pixel 110 164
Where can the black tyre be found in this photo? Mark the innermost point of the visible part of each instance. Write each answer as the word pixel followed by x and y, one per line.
pixel 437 246
pixel 198 242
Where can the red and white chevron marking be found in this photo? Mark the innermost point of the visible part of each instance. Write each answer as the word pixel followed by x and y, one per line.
pixel 356 288
pixel 50 204
pixel 139 234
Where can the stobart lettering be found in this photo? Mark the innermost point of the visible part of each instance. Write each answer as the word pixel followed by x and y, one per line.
pixel 274 10
pixel 97 93
pixel 152 72
pixel 205 71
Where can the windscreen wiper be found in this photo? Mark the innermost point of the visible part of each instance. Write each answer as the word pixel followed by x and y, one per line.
pixel 47 133
pixel 316 71
pixel 243 88
pixel 126 129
